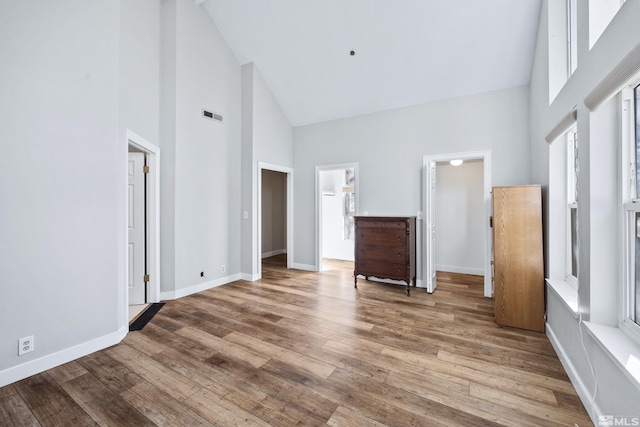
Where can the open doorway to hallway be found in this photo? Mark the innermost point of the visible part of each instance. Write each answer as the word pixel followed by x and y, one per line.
pixel 274 217
pixel 337 209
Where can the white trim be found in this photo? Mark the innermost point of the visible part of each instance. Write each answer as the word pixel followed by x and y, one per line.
pixel 32 367
pixel 622 350
pixel 257 253
pixel 566 293
pixel 274 253
pixel 183 292
pixel 583 392
pixel 153 215
pixel 318 198
pixel 460 270
pixel 305 267
pixel 485 156
pixel 249 277
pixel 630 208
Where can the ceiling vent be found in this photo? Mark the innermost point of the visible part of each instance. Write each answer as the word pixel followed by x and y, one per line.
pixel 211 115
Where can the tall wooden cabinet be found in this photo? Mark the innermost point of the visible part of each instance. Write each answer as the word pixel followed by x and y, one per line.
pixel 385 248
pixel 518 269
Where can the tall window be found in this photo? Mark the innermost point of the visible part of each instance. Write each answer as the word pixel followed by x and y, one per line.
pixel 631 198
pixel 572 36
pixel 572 206
pixel 601 12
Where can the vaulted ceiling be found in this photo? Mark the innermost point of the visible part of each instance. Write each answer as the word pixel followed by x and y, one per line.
pixel 406 52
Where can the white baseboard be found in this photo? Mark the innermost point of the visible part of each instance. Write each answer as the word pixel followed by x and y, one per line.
pixel 306 267
pixel 583 392
pixel 249 277
pixel 273 253
pixel 32 367
pixel 461 270
pixel 179 293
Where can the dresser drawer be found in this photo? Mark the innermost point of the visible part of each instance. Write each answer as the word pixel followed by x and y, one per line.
pixel 382 269
pixel 382 253
pixel 381 237
pixel 394 225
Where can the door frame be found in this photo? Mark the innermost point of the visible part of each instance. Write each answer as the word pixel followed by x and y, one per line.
pixel 258 252
pixel 153 215
pixel 318 217
pixel 485 156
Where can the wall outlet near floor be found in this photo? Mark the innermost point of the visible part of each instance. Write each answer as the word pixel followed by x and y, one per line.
pixel 223 269
pixel 25 345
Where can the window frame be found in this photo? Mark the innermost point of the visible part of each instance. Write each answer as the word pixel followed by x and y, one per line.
pixel 630 208
pixel 572 36
pixel 572 203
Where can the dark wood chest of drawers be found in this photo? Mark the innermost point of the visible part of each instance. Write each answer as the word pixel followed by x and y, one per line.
pixel 385 247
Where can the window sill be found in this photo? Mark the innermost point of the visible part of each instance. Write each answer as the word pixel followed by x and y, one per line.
pixel 621 349
pixel 567 293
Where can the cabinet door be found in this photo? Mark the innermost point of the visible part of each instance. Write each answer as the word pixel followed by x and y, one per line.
pixel 518 261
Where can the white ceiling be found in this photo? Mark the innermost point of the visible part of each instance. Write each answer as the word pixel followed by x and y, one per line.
pixel 406 51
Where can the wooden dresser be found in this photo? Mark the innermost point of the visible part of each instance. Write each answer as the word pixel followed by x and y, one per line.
pixel 518 265
pixel 385 247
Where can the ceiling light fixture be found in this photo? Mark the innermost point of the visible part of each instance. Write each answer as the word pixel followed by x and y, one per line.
pixel 456 162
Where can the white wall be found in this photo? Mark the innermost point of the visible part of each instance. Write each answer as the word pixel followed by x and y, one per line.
pixel 200 178
pixel 274 213
pixel 62 186
pixel 390 146
pixel 333 243
pixel 267 136
pixel 599 273
pixel 139 68
pixel 460 221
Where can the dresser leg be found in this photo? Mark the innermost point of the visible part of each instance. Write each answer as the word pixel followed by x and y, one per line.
pixel 355 280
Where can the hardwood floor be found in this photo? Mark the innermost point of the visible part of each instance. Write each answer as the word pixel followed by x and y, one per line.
pixel 301 348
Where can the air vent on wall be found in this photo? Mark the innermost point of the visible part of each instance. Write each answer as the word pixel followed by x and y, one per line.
pixel 211 115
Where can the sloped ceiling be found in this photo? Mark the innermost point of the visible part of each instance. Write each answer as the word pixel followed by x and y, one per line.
pixel 406 51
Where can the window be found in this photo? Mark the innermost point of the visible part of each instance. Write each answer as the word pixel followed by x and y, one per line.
pixel 601 12
pixel 563 221
pixel 631 207
pixel 572 207
pixel 563 43
pixel 572 36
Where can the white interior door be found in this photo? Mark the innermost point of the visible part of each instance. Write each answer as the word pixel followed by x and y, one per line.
pixel 431 226
pixel 136 223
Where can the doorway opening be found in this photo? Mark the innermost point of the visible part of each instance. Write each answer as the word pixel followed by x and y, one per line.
pixel 473 210
pixel 336 205
pixel 142 264
pixel 275 214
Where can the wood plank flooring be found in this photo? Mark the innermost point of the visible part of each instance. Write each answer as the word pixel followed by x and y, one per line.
pixel 307 349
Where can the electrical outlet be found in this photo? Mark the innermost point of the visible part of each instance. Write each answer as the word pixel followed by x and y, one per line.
pixel 25 345
pixel 223 269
